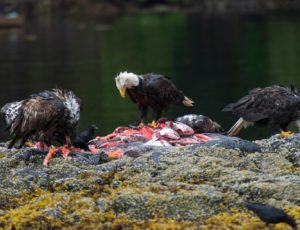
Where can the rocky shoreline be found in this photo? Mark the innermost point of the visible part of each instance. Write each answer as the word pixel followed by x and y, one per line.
pixel 195 187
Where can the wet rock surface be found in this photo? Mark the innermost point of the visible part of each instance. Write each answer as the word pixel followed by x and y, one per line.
pixel 195 186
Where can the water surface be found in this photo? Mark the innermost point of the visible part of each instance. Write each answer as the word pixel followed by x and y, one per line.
pixel 214 59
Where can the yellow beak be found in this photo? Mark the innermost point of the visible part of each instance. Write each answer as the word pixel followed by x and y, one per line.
pixel 123 92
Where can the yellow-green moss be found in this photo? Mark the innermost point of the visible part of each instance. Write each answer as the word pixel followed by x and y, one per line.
pixel 237 219
pixel 294 169
pixel 2 155
pixel 31 213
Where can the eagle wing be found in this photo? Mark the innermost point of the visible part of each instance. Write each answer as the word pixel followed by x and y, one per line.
pixel 161 87
pixel 41 113
pixel 264 103
pixel 38 118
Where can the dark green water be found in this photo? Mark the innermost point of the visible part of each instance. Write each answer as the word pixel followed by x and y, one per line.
pixel 214 60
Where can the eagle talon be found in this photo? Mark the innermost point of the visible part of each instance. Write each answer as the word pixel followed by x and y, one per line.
pixel 29 143
pixel 284 134
pixel 141 125
pixel 153 124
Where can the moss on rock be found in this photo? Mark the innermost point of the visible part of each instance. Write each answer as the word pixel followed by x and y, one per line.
pixel 164 188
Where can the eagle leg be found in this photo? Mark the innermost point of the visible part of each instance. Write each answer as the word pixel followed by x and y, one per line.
pixel 12 143
pixel 17 139
pixel 141 122
pixel 155 116
pixel 143 113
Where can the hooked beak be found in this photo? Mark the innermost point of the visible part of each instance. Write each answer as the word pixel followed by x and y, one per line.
pixel 123 92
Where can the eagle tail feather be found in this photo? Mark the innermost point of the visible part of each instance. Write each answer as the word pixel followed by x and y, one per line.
pixel 187 102
pixel 236 128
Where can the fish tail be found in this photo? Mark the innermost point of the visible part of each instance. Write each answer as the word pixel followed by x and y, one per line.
pixel 187 102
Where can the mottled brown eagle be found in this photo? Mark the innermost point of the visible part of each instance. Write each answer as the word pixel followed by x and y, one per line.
pixel 274 107
pixel 45 116
pixel 150 90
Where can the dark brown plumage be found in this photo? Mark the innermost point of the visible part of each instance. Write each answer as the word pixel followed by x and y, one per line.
pixel 150 90
pixel 43 116
pixel 274 107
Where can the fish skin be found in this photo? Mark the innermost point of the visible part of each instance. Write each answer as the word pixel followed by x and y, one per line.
pixel 168 133
pixel 183 129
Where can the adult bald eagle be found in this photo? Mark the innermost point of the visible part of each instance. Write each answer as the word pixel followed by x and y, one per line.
pixel 150 90
pixel 45 116
pixel 274 107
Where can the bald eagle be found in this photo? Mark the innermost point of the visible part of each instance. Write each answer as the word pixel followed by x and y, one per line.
pixel 274 107
pixel 45 116
pixel 150 90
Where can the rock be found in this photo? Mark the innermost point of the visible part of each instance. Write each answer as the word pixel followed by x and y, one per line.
pixel 229 143
pixel 183 187
pixel 102 204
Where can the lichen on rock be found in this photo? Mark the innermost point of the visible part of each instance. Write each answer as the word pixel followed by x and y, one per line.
pixel 194 187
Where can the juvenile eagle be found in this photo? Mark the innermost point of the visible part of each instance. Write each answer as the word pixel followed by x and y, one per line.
pixel 274 107
pixel 45 116
pixel 150 90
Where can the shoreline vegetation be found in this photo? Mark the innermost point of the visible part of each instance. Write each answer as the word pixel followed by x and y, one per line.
pixel 189 5
pixel 104 8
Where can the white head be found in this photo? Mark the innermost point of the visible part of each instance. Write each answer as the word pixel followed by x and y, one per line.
pixel 125 81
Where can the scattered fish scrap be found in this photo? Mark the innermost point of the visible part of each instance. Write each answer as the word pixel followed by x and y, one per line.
pixel 166 134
